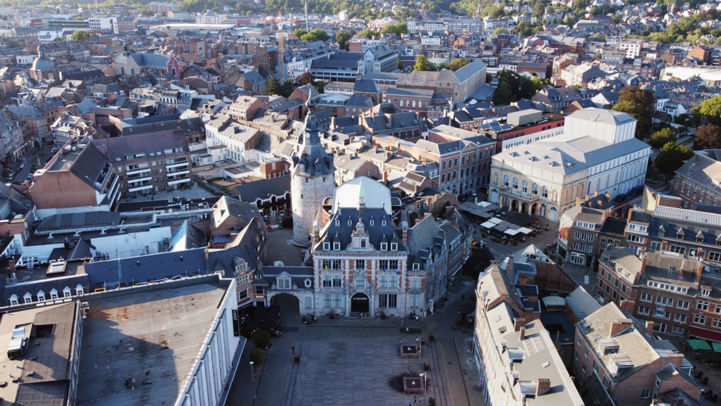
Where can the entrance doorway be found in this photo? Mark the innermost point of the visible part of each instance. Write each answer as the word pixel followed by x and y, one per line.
pixel 359 303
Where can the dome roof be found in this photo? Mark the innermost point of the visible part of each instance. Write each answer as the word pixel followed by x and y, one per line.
pixel 43 64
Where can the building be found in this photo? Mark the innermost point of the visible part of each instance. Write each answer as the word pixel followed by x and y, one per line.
pixel 196 347
pixel 517 359
pixel 524 127
pixel 619 359
pixel 155 164
pixel 557 100
pixel 597 153
pixel 464 158
pixel 312 180
pixel 388 119
pixel 77 178
pixel 43 354
pixel 455 86
pixel 378 58
pixel 368 259
pixel 222 131
pixel 696 182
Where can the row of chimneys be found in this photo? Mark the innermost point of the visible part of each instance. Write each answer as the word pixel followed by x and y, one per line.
pixel 543 385
pixel 699 269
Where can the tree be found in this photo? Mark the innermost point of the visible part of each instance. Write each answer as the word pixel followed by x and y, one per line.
pixel 662 137
pixel 256 356
pixel 299 32
pixel 710 110
pixel 395 29
pixel 273 86
pixel 640 104
pixel 708 137
pixel 342 37
pixel 286 89
pixel 80 35
pixel 503 94
pixel 456 64
pixel 671 157
pixel 262 338
pixel 304 78
pixel 422 63
pixel 315 35
pixel 500 30
pixel 368 33
pixel 529 87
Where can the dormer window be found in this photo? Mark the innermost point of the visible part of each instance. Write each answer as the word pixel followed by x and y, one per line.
pixel 336 246
pixel 679 234
pixel 416 266
pixel 394 246
pixel 384 246
pixel 383 222
pixel 371 222
pixel 326 246
pixel 337 222
pixel 363 242
pixel 350 222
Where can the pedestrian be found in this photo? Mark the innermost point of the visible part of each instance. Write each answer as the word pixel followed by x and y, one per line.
pixel 292 348
pixel 415 399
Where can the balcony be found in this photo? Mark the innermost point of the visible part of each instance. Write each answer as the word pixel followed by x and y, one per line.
pixel 138 178
pixel 139 188
pixel 179 181
pixel 178 173
pixel 137 171
pixel 176 164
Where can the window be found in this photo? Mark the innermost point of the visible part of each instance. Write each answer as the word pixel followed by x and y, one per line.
pixel 336 246
pixel 67 292
pixel 677 330
pixel 394 246
pixel 646 393
pixel 360 264
pixel 284 283
pixel 655 245
pixel 699 319
pixel 383 264
pixel 702 305
pixel 28 297
pixel 678 249
pixel 534 189
pixel 706 291
pixel 387 300
pixel 635 239
pixel 714 256
pixel 393 264
pixel 644 310
pixel 524 187
pixel 326 246
pixel 415 283
pixel 682 304
pixel 79 290
pixel 505 180
pixel 13 300
pixel 679 318
pixel 387 281
pixel 715 323
pixel 384 246
pixel 515 183
pixel 53 293
pixel 544 192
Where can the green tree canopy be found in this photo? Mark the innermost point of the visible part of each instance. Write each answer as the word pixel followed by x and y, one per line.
pixel 512 86
pixel 395 29
pixel 299 32
pixel 708 137
pixel 80 35
pixel 710 110
pixel 661 137
pixel 273 86
pixel 315 35
pixel 342 37
pixel 671 157
pixel 368 33
pixel 640 104
pixel 422 63
pixel 458 63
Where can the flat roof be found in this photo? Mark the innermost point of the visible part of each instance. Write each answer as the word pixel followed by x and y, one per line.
pixel 43 368
pixel 139 346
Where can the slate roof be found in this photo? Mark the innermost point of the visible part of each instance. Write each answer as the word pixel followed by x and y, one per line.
pixel 262 189
pixel 312 159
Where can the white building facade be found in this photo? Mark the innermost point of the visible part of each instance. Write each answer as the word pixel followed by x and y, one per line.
pixel 597 153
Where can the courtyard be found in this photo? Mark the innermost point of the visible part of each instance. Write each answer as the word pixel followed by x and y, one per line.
pixel 358 362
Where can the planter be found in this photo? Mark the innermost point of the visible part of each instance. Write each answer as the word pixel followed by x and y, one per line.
pixel 426 366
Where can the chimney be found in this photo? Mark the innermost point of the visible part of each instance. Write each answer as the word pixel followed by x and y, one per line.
pixel 627 305
pixel 649 327
pixel 518 322
pixel 385 177
pixel 522 333
pixel 595 193
pixel 543 386
pixel 699 272
pixel 11 265
pixel 619 325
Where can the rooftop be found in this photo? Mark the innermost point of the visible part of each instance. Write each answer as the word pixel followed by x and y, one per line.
pixel 144 342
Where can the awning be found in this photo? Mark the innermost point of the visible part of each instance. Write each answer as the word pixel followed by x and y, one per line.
pixel 511 232
pixel 698 345
pixel 495 220
pixel 488 224
pixel 716 347
pixel 525 230
pixel 500 227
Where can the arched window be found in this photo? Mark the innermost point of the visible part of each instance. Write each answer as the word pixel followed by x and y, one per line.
pixel 515 183
pixel 67 292
pixel 524 187
pixel 534 189
pixel 505 180
pixel 544 192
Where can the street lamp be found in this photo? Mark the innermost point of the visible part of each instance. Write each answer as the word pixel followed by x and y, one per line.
pixel 251 370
